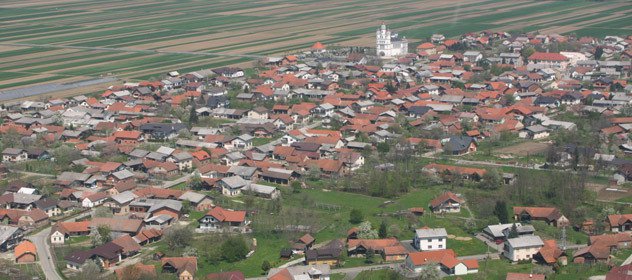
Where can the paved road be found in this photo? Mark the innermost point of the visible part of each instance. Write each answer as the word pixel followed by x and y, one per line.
pixel 46 260
pixel 43 253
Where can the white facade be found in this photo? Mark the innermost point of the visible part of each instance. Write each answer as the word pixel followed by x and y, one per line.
pixel 430 239
pixel 389 44
pixel 522 248
pixel 57 238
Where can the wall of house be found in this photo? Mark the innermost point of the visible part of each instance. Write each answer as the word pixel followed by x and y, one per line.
pixel 431 244
pixel 521 254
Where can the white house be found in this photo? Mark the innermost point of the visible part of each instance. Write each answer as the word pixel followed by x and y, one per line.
pixel 243 141
pixel 522 248
pixel 430 239
pixel 94 200
pixel 14 155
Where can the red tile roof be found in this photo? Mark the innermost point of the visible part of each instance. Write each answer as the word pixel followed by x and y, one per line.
pixel 544 56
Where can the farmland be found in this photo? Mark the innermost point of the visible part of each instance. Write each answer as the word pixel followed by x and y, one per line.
pixel 229 29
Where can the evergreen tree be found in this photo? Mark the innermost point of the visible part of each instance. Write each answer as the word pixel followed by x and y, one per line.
pixel 355 217
pixel 193 117
pixel 501 211
pixel 383 231
pixel 513 233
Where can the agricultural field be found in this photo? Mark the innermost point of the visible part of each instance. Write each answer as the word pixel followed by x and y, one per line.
pixel 59 40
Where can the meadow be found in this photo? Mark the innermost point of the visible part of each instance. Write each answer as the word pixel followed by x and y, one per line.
pixel 229 28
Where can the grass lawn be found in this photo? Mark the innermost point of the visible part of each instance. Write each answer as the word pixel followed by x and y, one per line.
pixel 261 141
pixel 78 240
pixel 550 232
pixel 334 208
pixel 268 247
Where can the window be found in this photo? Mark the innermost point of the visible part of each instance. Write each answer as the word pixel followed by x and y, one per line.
pixel 440 239
pixel 429 246
pixel 440 246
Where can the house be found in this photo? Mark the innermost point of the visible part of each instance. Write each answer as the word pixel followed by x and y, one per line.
pixel 48 205
pixel 220 219
pixel 592 254
pixel 447 202
pixel 23 218
pixel 534 132
pixel 129 245
pixel 447 171
pixel 549 60
pixel 550 215
pixel 242 142
pixel 232 186
pixel 106 255
pixel 25 252
pixel 148 236
pixel 94 200
pixel 229 275
pixel 615 241
pixel 328 254
pixel 445 261
pixel 623 272
pixel 620 222
pixel 184 267
pixel 429 239
pixel 522 248
pixel 499 233
pixel 64 230
pixel 524 276
pixel 14 155
pixel 10 237
pixel 460 145
pixel 359 247
pixel 118 226
pixel 304 243
pixel 262 191
pixel 549 253
pixel 312 272
pixel 146 271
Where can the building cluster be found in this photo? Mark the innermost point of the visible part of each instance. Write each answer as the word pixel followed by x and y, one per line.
pixel 317 113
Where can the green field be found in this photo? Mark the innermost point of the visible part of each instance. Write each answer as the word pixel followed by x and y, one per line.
pixel 247 27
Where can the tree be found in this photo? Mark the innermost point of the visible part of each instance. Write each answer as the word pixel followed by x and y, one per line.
pixel 296 186
pixel 101 236
pixel 491 180
pixel 201 100
pixel 429 272
pixel 598 52
pixel 369 255
pixel 390 87
pixel 234 249
pixel 513 232
pixel 366 231
pixel 193 117
pixel 356 216
pixel 383 147
pixel 383 231
pixel 195 182
pixel 178 237
pixel 527 52
pixel 500 210
pixel 89 270
pixel 265 266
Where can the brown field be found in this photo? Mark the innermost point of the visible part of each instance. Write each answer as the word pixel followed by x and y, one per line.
pixel 524 149
pixel 229 28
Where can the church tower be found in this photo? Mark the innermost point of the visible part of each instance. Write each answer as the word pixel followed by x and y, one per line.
pixel 383 38
pixel 389 44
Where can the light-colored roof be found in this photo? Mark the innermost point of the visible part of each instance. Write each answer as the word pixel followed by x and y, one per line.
pixel 526 241
pixel 431 232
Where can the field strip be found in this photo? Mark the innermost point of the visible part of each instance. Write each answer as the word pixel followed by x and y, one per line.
pixel 39 59
pixel 32 55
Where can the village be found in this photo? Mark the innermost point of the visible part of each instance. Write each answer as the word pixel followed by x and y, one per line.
pixel 487 156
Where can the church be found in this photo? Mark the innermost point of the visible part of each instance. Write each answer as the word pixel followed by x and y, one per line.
pixel 389 44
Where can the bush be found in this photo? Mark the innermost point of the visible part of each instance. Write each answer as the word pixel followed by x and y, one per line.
pixel 356 216
pixel 234 249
